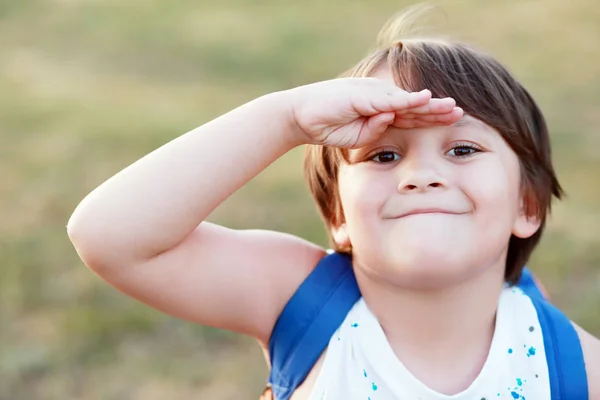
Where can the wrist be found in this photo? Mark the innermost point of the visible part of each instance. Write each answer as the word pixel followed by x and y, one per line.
pixel 281 108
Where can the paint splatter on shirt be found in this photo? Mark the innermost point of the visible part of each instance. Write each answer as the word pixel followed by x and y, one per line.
pixel 360 364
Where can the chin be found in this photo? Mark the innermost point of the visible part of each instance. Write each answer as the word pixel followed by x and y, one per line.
pixel 430 272
pixel 425 267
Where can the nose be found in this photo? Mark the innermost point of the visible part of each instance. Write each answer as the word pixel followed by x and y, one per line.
pixel 418 177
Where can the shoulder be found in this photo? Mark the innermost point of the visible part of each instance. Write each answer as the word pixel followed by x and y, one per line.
pixel 591 354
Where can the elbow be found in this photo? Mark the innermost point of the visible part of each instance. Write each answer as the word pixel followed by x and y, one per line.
pixel 87 244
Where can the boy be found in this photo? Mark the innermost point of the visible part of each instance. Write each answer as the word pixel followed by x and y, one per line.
pixel 431 167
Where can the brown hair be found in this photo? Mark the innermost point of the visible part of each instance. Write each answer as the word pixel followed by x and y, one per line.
pixel 485 90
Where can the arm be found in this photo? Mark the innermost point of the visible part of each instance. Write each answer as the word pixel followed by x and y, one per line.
pixel 591 353
pixel 143 231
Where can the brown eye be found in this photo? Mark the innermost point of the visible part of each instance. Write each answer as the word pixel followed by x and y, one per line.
pixel 463 151
pixel 385 157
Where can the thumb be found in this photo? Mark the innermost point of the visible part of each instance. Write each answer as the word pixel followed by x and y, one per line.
pixel 377 124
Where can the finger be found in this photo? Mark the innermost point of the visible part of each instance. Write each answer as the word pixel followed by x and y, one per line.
pixel 416 120
pixel 388 98
pixel 370 128
pixel 397 94
pixel 412 124
pixel 402 100
pixel 419 123
pixel 417 99
pixel 377 124
pixel 451 115
pixel 434 106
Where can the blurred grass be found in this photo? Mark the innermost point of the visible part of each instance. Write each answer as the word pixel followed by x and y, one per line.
pixel 87 87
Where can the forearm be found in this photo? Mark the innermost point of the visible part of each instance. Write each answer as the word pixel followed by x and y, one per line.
pixel 152 205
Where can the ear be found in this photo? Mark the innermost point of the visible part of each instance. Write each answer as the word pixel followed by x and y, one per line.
pixel 341 236
pixel 525 224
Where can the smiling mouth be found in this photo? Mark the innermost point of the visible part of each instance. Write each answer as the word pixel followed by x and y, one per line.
pixel 427 211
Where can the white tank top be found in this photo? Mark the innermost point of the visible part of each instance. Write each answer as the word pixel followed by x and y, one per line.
pixel 360 364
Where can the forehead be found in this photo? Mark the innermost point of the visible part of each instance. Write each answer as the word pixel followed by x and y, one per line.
pixel 469 121
pixel 467 125
pixel 384 73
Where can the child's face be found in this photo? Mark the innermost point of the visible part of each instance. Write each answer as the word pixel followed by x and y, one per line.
pixel 435 206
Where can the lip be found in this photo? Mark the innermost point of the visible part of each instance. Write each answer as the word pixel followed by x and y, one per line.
pixel 421 211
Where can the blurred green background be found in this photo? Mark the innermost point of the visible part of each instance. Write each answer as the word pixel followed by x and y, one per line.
pixel 89 86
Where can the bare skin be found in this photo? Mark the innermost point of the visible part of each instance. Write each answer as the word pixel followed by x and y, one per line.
pixel 144 231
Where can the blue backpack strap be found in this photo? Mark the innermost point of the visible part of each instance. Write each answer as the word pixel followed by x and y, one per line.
pixel 529 286
pixel 308 321
pixel 321 303
pixel 566 366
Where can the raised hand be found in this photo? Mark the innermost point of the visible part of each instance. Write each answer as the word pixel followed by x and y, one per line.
pixel 351 112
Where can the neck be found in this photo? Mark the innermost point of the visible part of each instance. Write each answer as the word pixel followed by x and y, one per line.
pixel 443 333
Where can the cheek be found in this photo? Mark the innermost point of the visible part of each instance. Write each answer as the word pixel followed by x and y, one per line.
pixel 362 194
pixel 493 187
